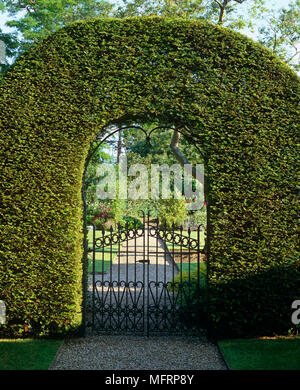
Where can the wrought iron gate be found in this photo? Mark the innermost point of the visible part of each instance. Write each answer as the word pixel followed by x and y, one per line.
pixel 146 279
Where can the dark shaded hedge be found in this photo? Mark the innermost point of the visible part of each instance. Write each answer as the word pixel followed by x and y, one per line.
pixel 230 95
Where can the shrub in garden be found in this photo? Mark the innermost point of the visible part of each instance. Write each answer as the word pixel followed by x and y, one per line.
pixel 106 213
pixel 92 211
pixel 131 223
pixel 118 207
pixel 197 217
pixel 137 207
pixel 263 296
pixel 172 212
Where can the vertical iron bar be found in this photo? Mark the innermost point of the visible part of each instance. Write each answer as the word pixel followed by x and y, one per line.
pixel 85 273
pixel 156 263
pixel 143 265
pixel 102 277
pixel 181 286
pixel 119 303
pixel 207 244
pixel 110 280
pixel 198 276
pixel 173 273
pixel 148 274
pixel 189 264
pixel 94 278
pixel 135 308
pixel 127 276
pixel 164 286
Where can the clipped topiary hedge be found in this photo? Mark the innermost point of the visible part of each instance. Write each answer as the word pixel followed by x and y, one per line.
pixel 230 95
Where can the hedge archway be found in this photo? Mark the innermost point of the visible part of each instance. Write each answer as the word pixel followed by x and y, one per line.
pixel 232 97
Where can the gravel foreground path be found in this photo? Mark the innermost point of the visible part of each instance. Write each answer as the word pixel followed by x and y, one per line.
pixel 138 353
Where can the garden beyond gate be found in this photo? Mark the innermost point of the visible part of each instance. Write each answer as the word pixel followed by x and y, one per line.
pixel 147 279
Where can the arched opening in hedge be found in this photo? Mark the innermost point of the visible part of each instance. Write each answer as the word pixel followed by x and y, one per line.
pixel 231 96
pixel 146 230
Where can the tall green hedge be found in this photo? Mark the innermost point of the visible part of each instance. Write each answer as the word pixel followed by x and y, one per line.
pixel 229 94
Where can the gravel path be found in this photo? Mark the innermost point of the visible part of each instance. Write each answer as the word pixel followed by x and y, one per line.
pixel 138 353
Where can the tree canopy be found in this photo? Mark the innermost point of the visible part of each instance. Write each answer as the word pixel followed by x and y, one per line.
pixel 33 20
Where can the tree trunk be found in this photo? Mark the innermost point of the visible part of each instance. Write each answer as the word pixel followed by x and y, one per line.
pixel 182 159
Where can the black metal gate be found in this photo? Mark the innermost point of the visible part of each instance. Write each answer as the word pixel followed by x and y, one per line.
pixel 146 279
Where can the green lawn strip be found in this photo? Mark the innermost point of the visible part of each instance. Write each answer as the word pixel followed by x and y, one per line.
pixel 101 266
pixel 262 354
pixel 184 267
pixel 27 354
pixel 193 276
pixel 98 234
pixel 110 253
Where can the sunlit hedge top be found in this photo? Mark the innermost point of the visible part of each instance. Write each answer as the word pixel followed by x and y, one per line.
pixel 230 95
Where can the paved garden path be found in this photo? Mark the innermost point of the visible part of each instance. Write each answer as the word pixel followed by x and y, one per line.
pixel 127 266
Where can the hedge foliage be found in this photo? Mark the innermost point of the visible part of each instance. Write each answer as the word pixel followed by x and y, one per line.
pixel 229 94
